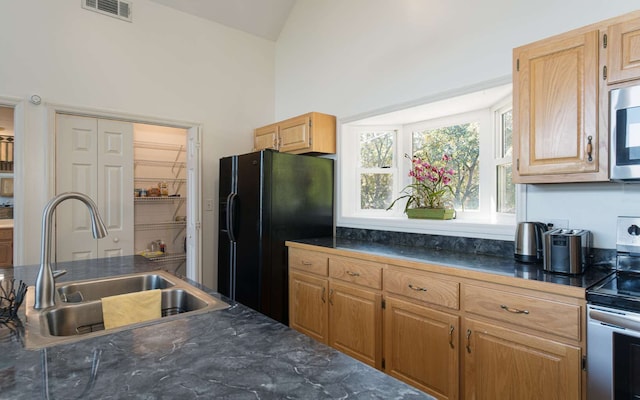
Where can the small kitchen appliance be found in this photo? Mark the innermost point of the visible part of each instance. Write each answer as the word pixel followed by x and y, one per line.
pixel 528 242
pixel 566 251
pixel 613 321
pixel 624 138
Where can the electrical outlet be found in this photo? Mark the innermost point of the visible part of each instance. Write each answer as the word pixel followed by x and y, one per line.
pixel 208 205
pixel 558 223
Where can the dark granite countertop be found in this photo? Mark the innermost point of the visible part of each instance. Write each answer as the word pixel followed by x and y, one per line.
pixel 235 353
pixel 466 261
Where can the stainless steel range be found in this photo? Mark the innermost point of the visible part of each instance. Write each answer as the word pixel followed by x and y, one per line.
pixel 613 322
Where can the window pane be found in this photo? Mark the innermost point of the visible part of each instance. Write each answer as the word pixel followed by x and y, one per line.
pixel 376 191
pixel 506 190
pixel 507 133
pixel 461 142
pixel 376 149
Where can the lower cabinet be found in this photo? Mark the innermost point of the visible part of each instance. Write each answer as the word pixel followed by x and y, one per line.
pixel 502 363
pixel 355 323
pixel 448 335
pixel 308 311
pixel 421 347
pixel 6 247
pixel 341 311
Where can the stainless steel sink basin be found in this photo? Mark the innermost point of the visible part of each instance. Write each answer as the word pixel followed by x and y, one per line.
pixel 95 290
pixel 82 318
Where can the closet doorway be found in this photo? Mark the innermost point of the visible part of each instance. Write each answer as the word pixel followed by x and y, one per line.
pixel 160 194
pixel 148 194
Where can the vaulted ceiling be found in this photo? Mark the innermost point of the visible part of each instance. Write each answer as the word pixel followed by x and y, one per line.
pixel 264 18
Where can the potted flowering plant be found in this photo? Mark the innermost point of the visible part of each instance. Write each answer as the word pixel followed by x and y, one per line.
pixel 427 195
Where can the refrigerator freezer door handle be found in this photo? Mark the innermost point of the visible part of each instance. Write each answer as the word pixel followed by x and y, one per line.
pixel 231 209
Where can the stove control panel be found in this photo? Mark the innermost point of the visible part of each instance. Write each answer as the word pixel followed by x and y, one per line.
pixel 628 235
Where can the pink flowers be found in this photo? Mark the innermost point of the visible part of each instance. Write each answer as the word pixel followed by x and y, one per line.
pixel 431 182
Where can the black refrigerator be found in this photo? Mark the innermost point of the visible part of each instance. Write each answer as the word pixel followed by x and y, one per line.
pixel 266 198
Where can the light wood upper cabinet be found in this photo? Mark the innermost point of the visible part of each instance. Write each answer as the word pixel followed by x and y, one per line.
pixel 295 134
pixel 623 51
pixel 501 363
pixel 309 133
pixel 266 137
pixel 557 135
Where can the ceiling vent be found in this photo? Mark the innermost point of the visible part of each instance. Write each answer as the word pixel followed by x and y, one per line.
pixel 116 8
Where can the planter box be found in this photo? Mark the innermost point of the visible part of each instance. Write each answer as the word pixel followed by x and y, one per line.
pixel 431 213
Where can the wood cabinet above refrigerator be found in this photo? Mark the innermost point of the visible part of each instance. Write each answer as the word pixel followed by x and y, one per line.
pixel 308 133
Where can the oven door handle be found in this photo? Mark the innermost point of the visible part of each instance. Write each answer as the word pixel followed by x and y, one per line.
pixel 622 321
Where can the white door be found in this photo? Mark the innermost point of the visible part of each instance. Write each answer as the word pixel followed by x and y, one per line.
pixel 194 225
pixel 95 157
pixel 115 190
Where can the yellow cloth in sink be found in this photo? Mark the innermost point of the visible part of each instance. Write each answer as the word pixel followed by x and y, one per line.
pixel 131 308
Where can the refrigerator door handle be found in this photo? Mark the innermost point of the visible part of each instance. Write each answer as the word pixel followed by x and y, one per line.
pixel 231 209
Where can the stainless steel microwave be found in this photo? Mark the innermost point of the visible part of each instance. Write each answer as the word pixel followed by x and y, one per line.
pixel 624 125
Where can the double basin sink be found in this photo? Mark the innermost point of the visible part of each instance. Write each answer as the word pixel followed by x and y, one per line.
pixel 78 311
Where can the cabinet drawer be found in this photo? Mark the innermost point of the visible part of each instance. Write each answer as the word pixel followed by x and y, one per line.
pixel 6 233
pixel 544 315
pixel 355 271
pixel 309 261
pixel 421 287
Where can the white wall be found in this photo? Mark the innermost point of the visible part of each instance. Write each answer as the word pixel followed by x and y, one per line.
pixel 354 57
pixel 166 65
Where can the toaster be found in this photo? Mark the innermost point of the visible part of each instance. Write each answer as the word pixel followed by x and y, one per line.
pixel 566 251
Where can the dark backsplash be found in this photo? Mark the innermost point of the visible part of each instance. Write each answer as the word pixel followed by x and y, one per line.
pixel 491 247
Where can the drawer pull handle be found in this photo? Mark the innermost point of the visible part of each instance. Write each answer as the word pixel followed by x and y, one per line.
pixel 451 328
pixel 468 341
pixel 514 310
pixel 353 273
pixel 323 292
pixel 304 262
pixel 417 288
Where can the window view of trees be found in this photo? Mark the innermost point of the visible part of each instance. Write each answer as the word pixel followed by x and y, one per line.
pixel 382 171
pixel 461 142
pixel 376 160
pixel 506 189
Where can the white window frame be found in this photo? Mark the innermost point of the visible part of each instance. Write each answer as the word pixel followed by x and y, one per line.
pixel 393 170
pixel 478 224
pixel 500 108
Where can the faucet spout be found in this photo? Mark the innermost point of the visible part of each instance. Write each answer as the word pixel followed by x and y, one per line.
pixel 45 283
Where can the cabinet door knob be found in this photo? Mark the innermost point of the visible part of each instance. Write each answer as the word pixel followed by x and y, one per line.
pixel 116 239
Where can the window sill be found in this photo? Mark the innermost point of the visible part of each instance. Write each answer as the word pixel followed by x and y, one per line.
pixel 454 227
